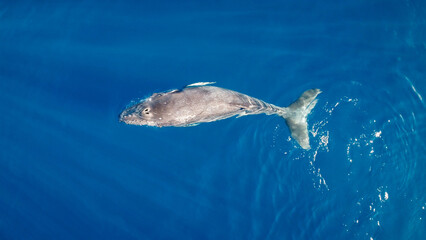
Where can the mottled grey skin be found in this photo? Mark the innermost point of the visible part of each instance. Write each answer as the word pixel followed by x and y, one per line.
pixel 199 103
pixel 193 105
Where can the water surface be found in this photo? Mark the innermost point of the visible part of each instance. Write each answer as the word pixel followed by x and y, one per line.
pixel 70 170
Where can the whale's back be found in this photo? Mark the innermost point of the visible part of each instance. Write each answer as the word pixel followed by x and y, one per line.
pixel 197 104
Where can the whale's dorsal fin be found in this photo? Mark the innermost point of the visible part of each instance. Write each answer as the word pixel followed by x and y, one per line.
pixel 198 84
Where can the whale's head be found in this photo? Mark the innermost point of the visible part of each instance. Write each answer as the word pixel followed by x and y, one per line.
pixel 138 114
pixel 149 112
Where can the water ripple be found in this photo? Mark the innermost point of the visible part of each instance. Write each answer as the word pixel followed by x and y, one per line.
pixel 376 173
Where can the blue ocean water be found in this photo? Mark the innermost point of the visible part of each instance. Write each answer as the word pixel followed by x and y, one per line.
pixel 70 170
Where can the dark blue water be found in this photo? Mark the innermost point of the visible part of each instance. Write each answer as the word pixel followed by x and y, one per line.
pixel 70 170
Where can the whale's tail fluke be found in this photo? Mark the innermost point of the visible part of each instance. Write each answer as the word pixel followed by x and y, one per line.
pixel 296 114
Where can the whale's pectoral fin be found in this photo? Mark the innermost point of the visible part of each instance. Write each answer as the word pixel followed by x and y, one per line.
pixel 192 125
pixel 198 84
pixel 296 116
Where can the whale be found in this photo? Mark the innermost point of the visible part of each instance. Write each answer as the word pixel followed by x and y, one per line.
pixel 202 102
